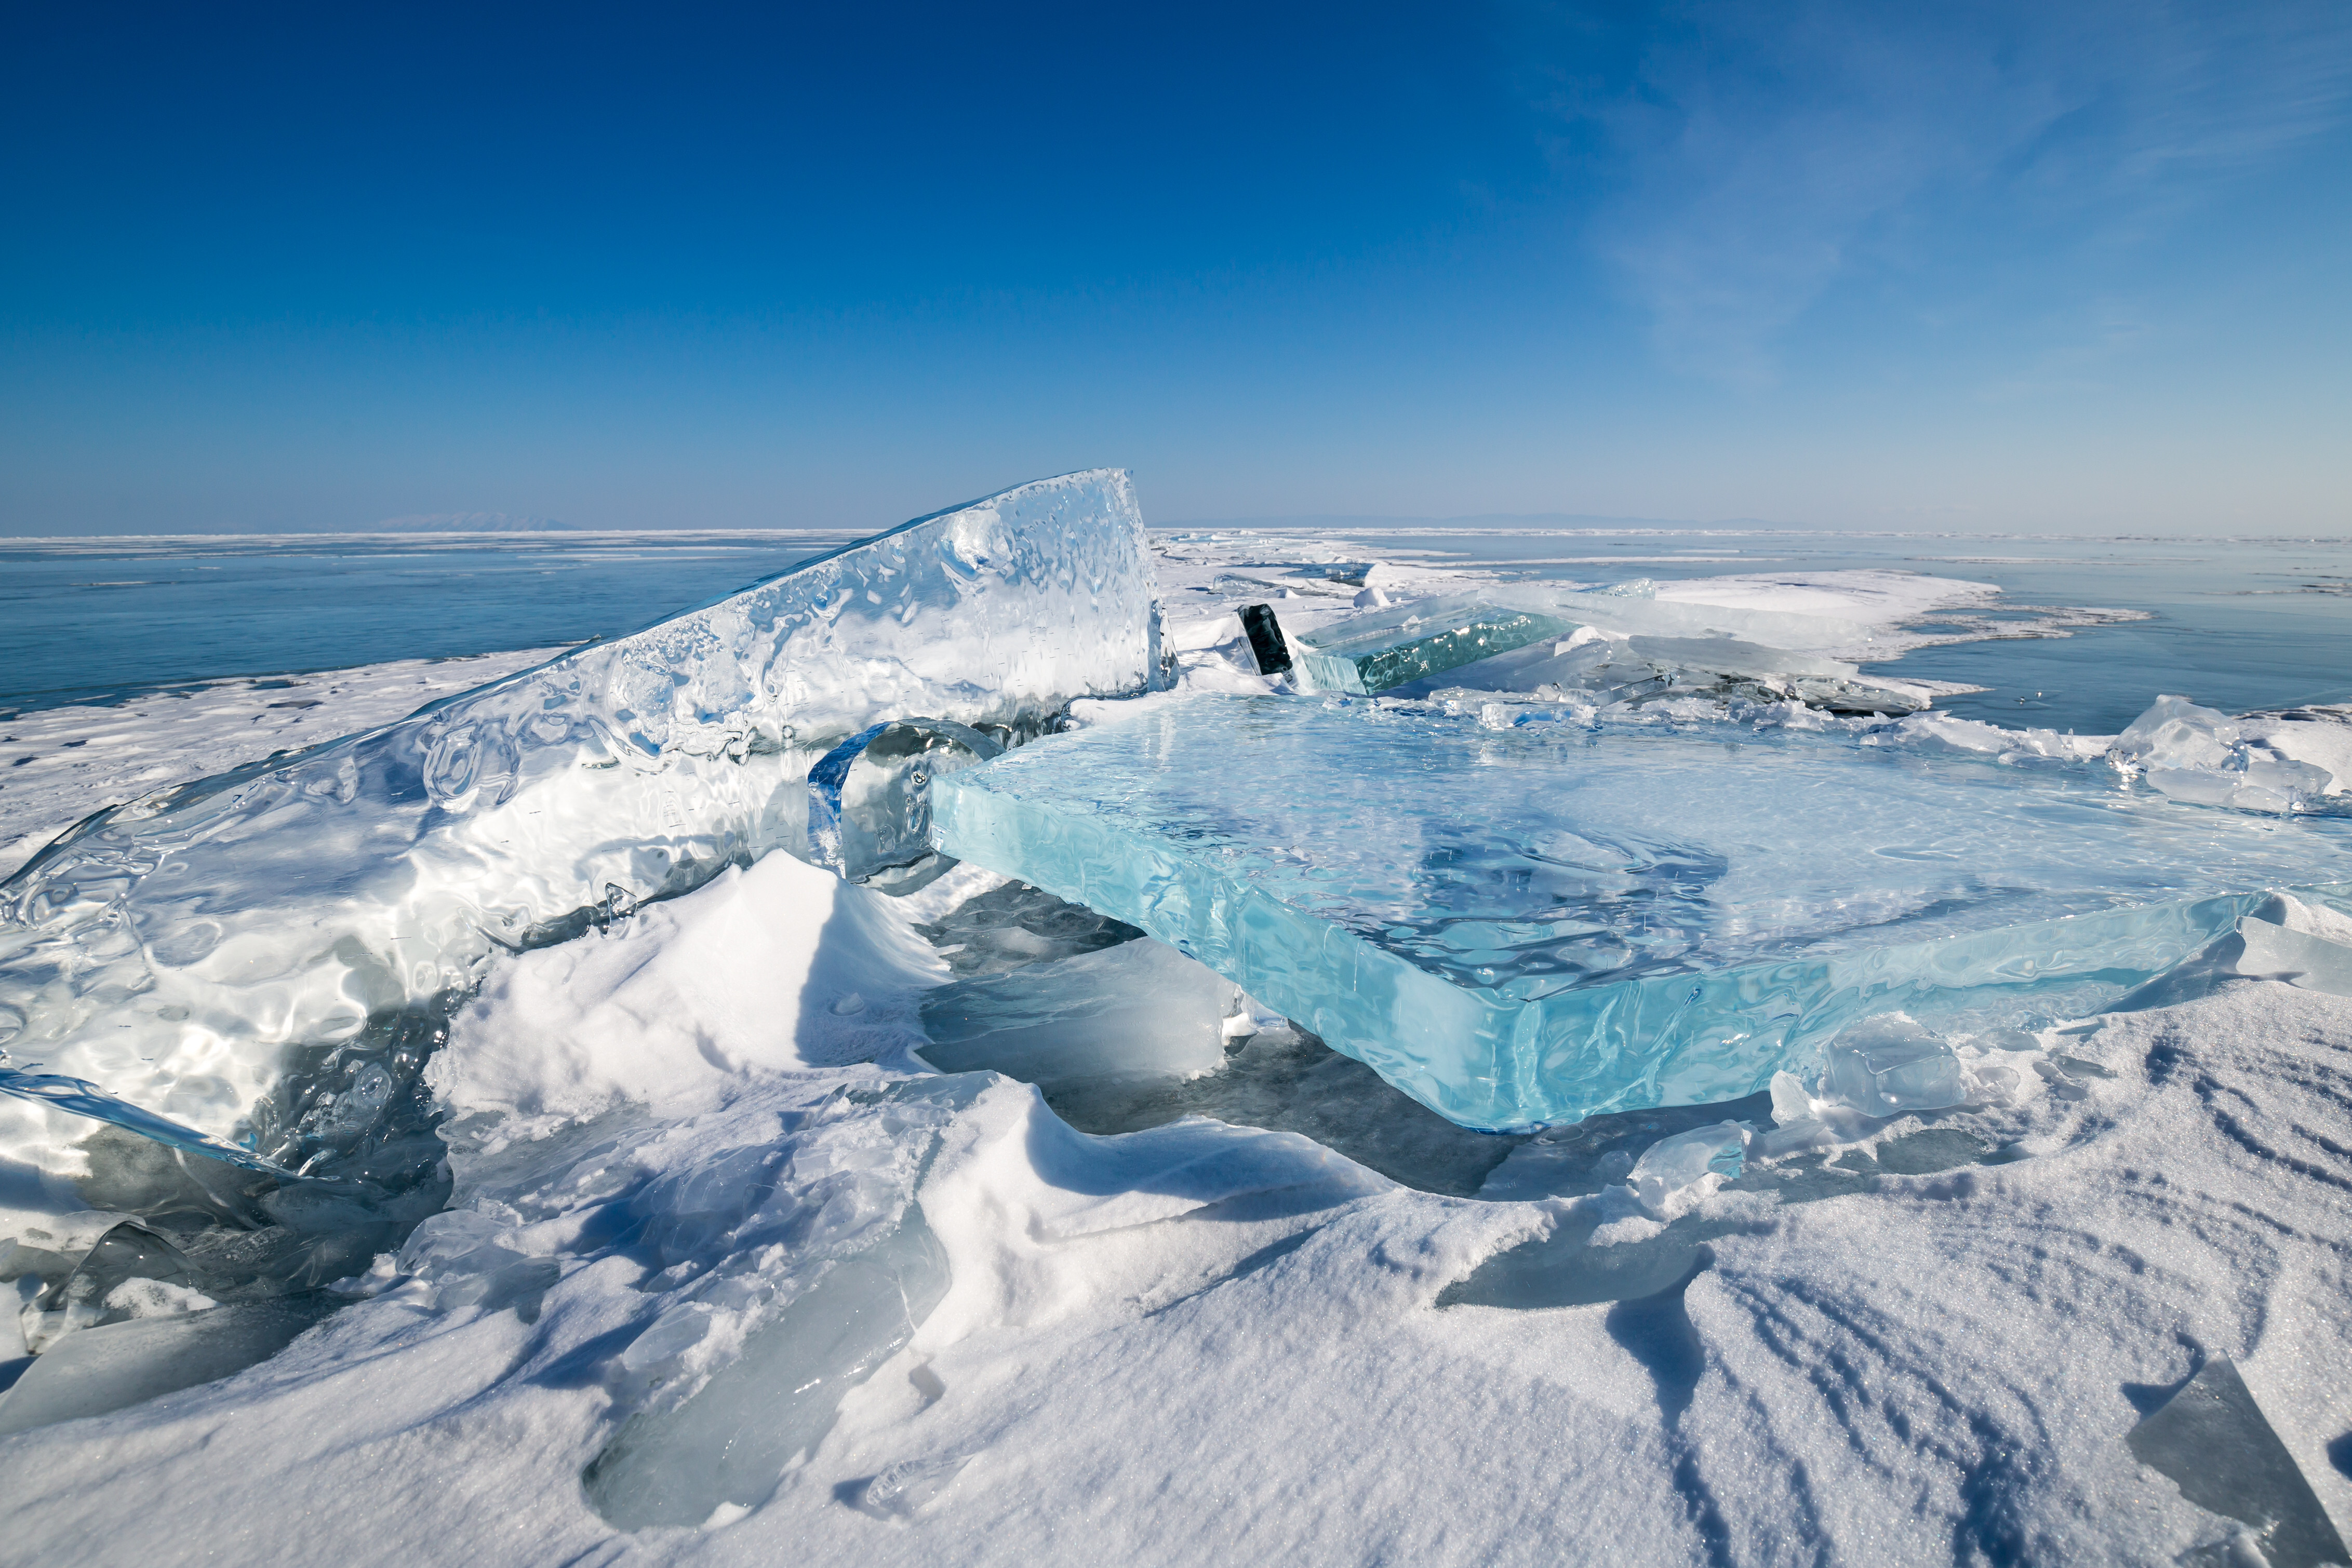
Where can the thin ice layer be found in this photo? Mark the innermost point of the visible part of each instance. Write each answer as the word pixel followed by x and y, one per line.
pixel 1534 924
pixel 175 951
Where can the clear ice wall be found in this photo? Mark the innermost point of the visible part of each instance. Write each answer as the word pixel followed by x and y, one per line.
pixel 1533 924
pixel 181 952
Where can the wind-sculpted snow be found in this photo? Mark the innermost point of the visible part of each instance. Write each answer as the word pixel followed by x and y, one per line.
pixel 237 955
pixel 1536 923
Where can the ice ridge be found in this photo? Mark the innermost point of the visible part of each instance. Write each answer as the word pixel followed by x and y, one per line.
pixel 234 958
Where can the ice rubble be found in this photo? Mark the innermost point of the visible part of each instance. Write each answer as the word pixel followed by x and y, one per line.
pixel 685 1224
pixel 2197 754
pixel 1530 925
pixel 1614 647
pixel 1675 1168
pixel 245 954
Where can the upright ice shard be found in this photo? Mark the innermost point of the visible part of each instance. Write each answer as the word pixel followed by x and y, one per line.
pixel 188 952
pixel 1534 924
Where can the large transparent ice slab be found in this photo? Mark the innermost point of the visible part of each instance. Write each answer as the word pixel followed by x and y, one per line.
pixel 189 952
pixel 1533 924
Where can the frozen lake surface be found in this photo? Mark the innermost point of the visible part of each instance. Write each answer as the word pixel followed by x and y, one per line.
pixel 2235 623
pixel 98 620
pixel 789 1217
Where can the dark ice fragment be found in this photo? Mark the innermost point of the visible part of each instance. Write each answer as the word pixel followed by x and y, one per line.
pixel 1266 645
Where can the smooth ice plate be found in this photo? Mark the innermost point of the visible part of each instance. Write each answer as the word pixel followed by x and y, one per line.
pixel 1532 924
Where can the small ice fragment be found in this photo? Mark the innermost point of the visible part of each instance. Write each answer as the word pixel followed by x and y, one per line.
pixel 2213 1441
pixel 1891 1064
pixel 127 1254
pixel 1265 633
pixel 1674 1166
pixel 2276 952
pixel 1615 1166
pixel 1790 1104
pixel 849 1005
pixel 1991 1081
pixel 910 1486
pixel 2061 1086
pixel 2176 732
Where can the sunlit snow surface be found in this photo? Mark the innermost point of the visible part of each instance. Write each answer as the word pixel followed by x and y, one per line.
pixel 681 1300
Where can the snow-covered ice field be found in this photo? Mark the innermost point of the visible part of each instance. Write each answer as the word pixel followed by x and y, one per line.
pixel 1183 1286
pixel 63 763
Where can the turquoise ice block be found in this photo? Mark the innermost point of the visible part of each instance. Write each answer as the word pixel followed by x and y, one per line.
pixel 1368 653
pixel 1533 924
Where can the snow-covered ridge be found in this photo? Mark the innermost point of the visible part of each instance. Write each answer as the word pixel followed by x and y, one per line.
pixel 1123 1334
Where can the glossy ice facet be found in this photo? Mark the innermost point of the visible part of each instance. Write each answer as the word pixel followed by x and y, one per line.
pixel 1368 653
pixel 1891 1064
pixel 869 797
pixel 1532 924
pixel 1673 1166
pixel 728 1446
pixel 180 952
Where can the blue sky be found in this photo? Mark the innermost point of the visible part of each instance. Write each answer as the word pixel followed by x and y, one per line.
pixel 2004 266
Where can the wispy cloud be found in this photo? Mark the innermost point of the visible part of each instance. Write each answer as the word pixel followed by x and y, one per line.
pixel 1758 150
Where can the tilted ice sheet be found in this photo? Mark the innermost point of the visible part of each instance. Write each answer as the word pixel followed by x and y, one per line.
pixel 174 950
pixel 1533 924
pixel 1372 653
